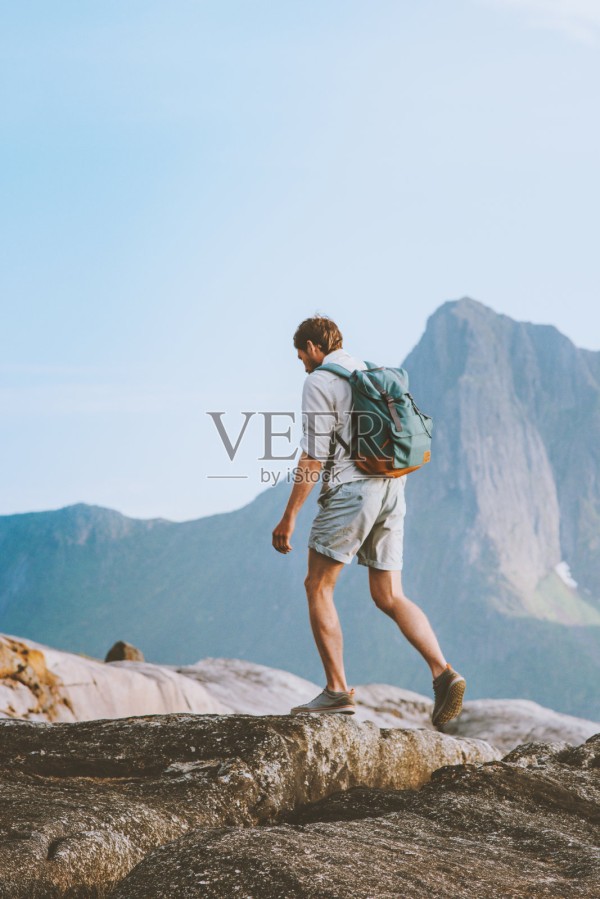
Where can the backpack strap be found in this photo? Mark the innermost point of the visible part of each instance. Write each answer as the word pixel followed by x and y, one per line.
pixel 343 373
pixel 389 401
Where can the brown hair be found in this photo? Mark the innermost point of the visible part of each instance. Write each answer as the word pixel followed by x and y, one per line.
pixel 322 331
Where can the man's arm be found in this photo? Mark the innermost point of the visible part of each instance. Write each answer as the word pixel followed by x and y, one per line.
pixel 305 476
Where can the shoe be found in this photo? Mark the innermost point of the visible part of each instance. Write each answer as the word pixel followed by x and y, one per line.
pixel 328 701
pixel 448 690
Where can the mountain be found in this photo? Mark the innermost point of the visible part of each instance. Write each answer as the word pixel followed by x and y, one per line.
pixel 502 541
pixel 517 408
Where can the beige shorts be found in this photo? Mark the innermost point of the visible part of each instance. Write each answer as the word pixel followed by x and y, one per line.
pixel 364 517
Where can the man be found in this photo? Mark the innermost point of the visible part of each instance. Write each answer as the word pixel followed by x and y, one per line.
pixel 359 514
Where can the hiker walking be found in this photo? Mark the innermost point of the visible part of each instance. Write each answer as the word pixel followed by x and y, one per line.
pixel 361 504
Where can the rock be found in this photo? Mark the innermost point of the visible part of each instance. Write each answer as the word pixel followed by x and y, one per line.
pixel 390 706
pixel 246 688
pixel 62 686
pixel 27 686
pixel 69 687
pixel 81 804
pixel 250 689
pixel 124 652
pixel 509 722
pixel 90 689
pixel 523 826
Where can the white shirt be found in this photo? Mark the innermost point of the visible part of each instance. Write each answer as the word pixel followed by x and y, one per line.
pixel 326 404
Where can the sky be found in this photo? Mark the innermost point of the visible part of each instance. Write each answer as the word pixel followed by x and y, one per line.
pixel 183 183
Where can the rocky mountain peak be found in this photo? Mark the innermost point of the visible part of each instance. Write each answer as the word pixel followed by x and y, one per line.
pixel 501 392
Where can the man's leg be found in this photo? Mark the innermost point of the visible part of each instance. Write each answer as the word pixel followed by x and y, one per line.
pixel 388 595
pixel 323 573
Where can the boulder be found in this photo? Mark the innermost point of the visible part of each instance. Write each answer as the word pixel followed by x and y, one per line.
pixel 124 652
pixel 81 804
pixel 523 826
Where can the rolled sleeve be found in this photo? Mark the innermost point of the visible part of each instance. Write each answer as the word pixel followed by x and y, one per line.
pixel 319 417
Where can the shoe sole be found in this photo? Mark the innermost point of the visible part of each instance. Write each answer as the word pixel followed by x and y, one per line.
pixel 452 706
pixel 348 710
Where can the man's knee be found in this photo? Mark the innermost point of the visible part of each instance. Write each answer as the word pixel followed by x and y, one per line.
pixel 322 575
pixel 314 584
pixel 388 600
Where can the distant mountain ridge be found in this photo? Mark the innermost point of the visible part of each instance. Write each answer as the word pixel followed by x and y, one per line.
pixel 508 505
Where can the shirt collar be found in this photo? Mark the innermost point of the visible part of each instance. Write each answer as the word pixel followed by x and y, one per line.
pixel 334 356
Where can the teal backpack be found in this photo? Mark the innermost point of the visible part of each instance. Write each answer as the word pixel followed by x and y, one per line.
pixel 390 435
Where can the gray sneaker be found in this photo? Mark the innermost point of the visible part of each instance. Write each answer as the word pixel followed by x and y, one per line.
pixel 448 689
pixel 328 701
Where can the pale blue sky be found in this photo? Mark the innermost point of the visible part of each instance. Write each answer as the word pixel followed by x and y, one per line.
pixel 183 182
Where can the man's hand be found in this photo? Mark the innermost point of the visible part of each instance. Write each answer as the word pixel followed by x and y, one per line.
pixel 305 475
pixel 282 534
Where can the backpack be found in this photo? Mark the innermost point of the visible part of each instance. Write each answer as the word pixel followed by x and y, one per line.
pixel 390 435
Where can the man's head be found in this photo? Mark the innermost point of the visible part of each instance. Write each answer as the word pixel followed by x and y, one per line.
pixel 314 338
